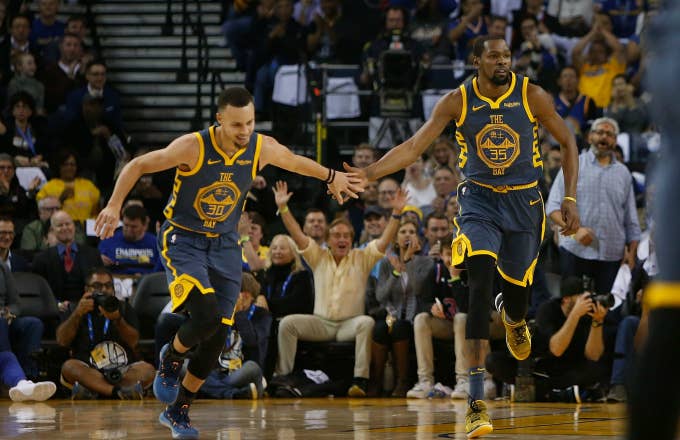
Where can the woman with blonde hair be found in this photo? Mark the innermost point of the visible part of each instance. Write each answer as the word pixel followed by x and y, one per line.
pixel 442 153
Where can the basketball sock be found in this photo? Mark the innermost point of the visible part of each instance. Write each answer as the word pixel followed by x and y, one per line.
pixel 477 382
pixel 184 397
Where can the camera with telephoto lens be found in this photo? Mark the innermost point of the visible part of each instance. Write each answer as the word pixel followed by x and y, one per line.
pixel 112 375
pixel 107 302
pixel 604 299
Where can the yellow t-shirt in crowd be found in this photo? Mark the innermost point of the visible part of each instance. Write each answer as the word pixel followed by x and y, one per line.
pixel 85 198
pixel 596 80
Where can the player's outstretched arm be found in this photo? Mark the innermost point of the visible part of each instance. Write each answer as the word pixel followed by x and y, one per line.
pixel 276 154
pixel 182 152
pixel 543 108
pixel 448 108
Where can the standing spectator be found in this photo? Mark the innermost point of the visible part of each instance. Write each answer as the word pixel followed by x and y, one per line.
pixel 64 75
pixel 573 17
pixel 331 35
pixel 402 289
pixel 630 112
pixel 132 250
pixel 426 27
pixel 102 334
pixel 624 15
pixel 537 55
pixel 340 276
pixel 24 80
pixel 13 261
pixel 597 68
pixel 610 229
pixel 46 27
pixel 26 137
pixel 15 202
pixel 79 196
pixel 462 31
pixel 18 42
pixel 66 264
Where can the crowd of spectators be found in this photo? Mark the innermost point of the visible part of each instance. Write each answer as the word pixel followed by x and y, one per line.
pixel 375 272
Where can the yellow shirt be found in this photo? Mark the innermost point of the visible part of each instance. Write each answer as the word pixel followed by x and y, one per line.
pixel 261 252
pixel 596 80
pixel 340 289
pixel 85 198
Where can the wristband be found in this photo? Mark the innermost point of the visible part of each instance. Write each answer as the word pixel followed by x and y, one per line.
pixel 243 239
pixel 571 199
pixel 396 216
pixel 282 210
pixel 596 324
pixel 396 273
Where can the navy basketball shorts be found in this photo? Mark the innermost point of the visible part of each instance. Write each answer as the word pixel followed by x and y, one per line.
pixel 212 265
pixel 505 223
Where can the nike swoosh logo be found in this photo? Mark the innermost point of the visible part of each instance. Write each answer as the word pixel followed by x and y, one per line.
pixel 477 107
pixel 533 202
pixel 213 162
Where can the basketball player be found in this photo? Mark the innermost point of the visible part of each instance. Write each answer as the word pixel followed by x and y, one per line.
pixel 654 398
pixel 501 221
pixel 198 241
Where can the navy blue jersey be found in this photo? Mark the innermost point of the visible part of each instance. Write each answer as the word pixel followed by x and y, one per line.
pixel 498 139
pixel 209 198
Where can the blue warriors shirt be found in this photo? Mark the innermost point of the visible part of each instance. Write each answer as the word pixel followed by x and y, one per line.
pixel 209 198
pixel 498 139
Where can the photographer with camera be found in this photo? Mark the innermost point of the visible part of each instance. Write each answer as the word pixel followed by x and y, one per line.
pixel 102 334
pixel 567 346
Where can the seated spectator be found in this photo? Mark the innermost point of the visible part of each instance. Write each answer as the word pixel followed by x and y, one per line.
pixel 251 230
pixel 364 155
pixel 26 137
pixel 437 228
pixel 238 28
pixel 46 27
pixel 340 276
pixel 375 220
pixel 402 289
pixel 387 189
pixel 15 201
pixel 20 388
pixel 238 374
pixel 24 80
pixel 19 334
pixel 13 261
pixel 445 320
pixel 64 75
pixel 577 109
pixel 66 264
pixel 442 153
pixel 426 27
pixel 597 68
pixel 331 36
pixel 463 30
pixel 79 196
pixel 17 41
pixel 572 18
pixel 76 25
pixel 132 250
pixel 283 46
pixel 568 343
pixel 287 286
pixel 418 184
pixel 445 182
pixel 36 235
pixel 305 10
pixel 536 56
pixel 624 15
pixel 451 206
pixel 316 226
pixel 102 334
pixel 630 112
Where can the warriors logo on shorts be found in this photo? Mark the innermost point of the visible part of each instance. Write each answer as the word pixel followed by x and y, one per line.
pixel 498 145
pixel 179 290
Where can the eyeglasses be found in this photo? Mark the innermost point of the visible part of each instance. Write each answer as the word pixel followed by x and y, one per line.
pixel 49 208
pixel 604 133
pixel 101 286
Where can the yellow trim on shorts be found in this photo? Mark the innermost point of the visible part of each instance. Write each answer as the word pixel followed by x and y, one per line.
pixel 663 295
pixel 457 257
pixel 505 188
pixel 199 163
pixel 229 321
pixel 528 278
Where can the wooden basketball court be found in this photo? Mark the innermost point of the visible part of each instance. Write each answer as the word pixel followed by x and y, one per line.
pixel 298 419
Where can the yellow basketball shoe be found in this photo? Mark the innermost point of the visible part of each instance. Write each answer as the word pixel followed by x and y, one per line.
pixel 477 420
pixel 517 338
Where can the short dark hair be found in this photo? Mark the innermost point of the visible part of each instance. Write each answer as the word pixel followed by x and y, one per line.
pixel 568 68
pixel 135 212
pixel 257 219
pixel 235 96
pixel 95 62
pixel 495 18
pixel 24 16
pixel 315 210
pixel 99 270
pixel 77 17
pixel 23 97
pixel 478 48
pixel 437 215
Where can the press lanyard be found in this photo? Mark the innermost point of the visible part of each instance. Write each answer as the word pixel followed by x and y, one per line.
pixel 90 328
pixel 27 137
pixel 283 288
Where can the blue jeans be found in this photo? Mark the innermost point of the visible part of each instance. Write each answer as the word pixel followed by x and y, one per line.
pixel 219 385
pixel 25 334
pixel 10 370
pixel 623 349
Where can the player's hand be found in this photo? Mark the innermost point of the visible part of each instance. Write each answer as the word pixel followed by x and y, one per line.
pixel 107 222
pixel 570 217
pixel 358 174
pixel 281 194
pixel 345 186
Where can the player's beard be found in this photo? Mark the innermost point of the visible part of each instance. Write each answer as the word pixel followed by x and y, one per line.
pixel 500 80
